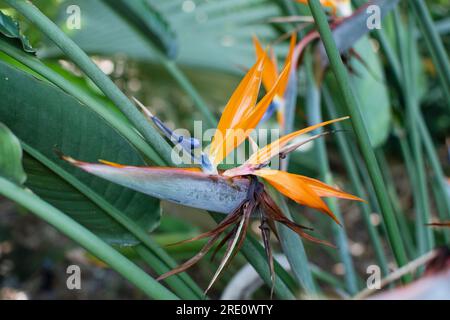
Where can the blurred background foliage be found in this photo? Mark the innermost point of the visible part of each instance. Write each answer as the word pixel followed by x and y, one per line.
pixel 211 42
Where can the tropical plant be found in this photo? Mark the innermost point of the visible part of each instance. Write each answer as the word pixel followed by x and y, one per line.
pixel 67 103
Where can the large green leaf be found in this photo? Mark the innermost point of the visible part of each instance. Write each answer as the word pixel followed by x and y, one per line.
pixel 44 118
pixel 143 16
pixel 221 31
pixel 10 156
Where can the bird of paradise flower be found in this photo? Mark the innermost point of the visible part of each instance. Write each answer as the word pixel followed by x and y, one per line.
pixel 236 192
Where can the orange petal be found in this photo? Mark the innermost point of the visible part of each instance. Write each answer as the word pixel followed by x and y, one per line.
pixel 254 116
pixel 273 58
pixel 273 149
pixel 243 122
pixel 270 68
pixel 296 189
pixel 287 61
pixel 244 97
pixel 324 190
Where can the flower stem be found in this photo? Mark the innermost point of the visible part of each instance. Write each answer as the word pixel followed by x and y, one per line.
pixel 404 40
pixel 361 132
pixel 356 183
pixel 400 214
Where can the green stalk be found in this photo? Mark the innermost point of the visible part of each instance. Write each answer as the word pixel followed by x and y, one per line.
pixel 86 239
pixel 170 263
pixel 442 212
pixel 399 212
pixel 120 125
pixel 326 277
pixel 434 44
pixel 356 184
pixel 435 164
pixel 361 133
pixel 439 184
pixel 313 107
pixel 410 169
pixel 424 234
pixel 82 60
pixel 176 283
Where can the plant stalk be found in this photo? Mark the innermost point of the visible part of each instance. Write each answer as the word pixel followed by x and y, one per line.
pixel 176 283
pixel 424 234
pixel 434 44
pixel 357 184
pixel 343 80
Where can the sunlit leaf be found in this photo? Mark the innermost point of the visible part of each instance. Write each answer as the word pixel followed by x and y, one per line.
pixel 10 29
pixel 10 156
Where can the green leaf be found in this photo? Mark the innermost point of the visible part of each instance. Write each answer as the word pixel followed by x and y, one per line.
pixel 369 86
pixel 142 15
pixel 10 29
pixel 368 83
pixel 11 156
pixel 44 118
pixel 221 31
